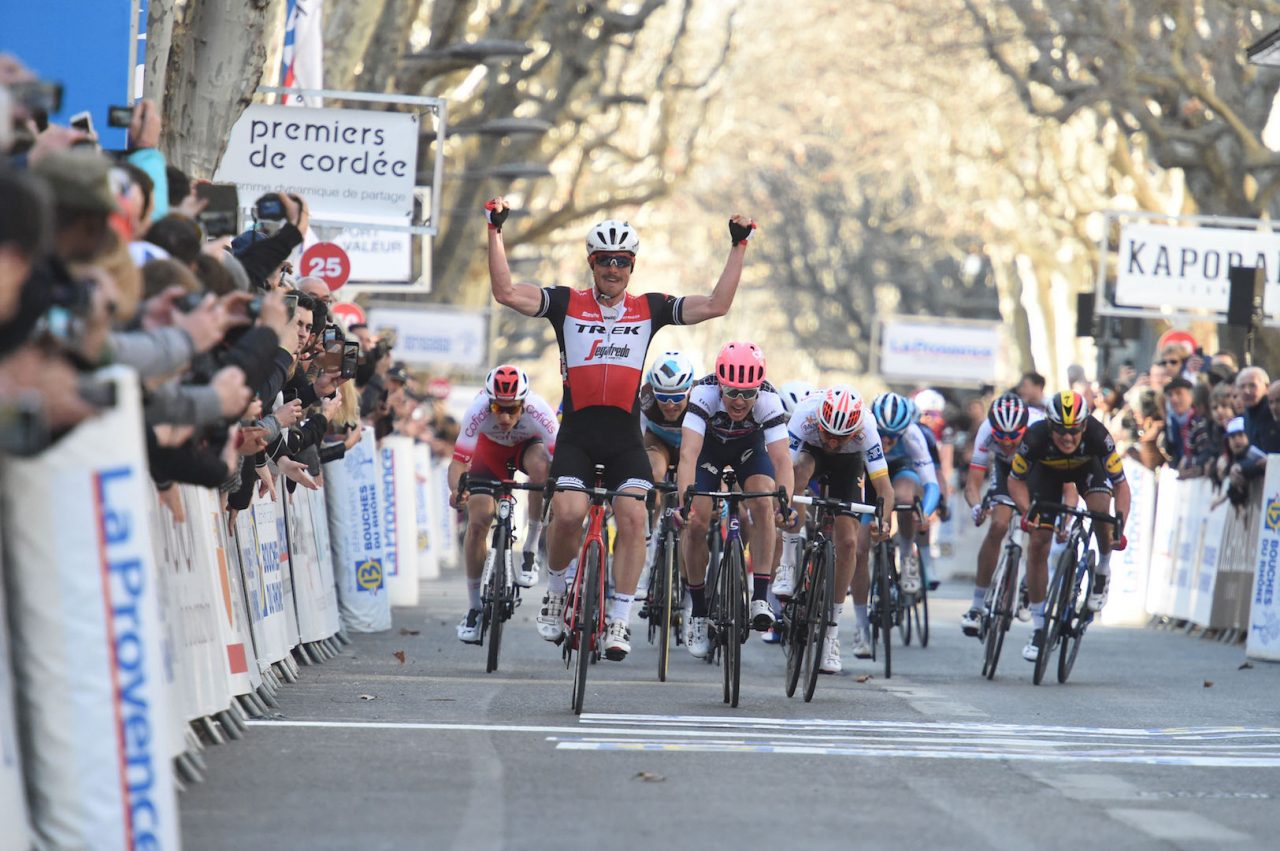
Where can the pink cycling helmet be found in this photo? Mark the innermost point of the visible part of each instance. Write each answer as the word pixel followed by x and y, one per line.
pixel 740 365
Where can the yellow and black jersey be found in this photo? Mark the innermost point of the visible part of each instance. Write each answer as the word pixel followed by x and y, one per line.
pixel 1037 447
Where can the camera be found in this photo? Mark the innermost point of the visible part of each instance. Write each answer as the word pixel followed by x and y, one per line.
pixel 269 208
pixel 291 303
pixel 38 96
pixel 350 358
pixel 119 116
pixel 221 214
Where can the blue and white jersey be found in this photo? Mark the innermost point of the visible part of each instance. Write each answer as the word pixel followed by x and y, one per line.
pixel 913 449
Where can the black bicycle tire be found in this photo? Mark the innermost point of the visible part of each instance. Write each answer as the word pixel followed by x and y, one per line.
pixel 922 618
pixel 1052 615
pixel 1003 615
pixel 586 617
pixel 1071 644
pixel 821 613
pixel 886 607
pixel 904 617
pixel 493 608
pixel 733 637
pixel 794 617
pixel 667 547
pixel 711 581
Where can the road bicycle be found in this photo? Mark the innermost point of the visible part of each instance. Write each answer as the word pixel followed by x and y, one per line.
pixel 666 587
pixel 810 612
pixel 728 603
pixel 1066 613
pixel 1000 606
pixel 584 611
pixel 914 608
pixel 499 593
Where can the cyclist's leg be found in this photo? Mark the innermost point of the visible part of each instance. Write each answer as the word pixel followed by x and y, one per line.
pixel 907 488
pixel 1097 495
pixel 755 473
pixel 535 462
pixel 572 469
pixel 1045 486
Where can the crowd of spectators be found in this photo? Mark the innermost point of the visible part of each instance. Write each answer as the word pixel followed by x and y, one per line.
pixel 247 382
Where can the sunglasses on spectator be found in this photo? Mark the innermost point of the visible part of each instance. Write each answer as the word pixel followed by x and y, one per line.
pixel 1171 362
pixel 1061 429
pixel 671 398
pixel 620 261
pixel 494 407
pixel 1006 436
pixel 740 392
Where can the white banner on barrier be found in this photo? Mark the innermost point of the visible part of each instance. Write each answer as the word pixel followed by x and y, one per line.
pixel 400 515
pixel 1163 542
pixel 1264 615
pixel 86 633
pixel 177 683
pixel 234 632
pixel 13 801
pixel 428 563
pixel 447 534
pixel 355 532
pixel 324 560
pixel 308 593
pixel 264 593
pixel 1189 495
pixel 1213 528
pixel 286 564
pixel 1127 598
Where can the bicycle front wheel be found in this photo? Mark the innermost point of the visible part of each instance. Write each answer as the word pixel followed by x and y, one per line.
pixel 884 587
pixel 821 615
pixel 728 631
pixel 495 607
pixel 1054 611
pixel 587 615
pixel 1001 609
pixel 663 598
pixel 1078 617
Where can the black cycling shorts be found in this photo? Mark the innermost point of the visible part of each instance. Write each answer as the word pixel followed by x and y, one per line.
pixel 842 469
pixel 1046 483
pixel 601 435
pixel 746 455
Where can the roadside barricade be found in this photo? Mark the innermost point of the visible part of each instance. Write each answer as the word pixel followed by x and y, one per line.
pixel 1264 615
pixel 13 799
pixel 353 497
pixel 1126 605
pixel 399 500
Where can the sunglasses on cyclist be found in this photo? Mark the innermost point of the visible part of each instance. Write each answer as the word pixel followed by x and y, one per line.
pixel 495 408
pixel 620 261
pixel 1007 436
pixel 1061 429
pixel 835 438
pixel 740 392
pixel 671 398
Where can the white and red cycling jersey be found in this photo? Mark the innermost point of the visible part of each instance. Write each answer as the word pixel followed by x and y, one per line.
pixel 538 421
pixel 603 349
pixel 984 444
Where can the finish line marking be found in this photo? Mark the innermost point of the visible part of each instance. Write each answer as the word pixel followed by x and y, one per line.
pixel 1224 747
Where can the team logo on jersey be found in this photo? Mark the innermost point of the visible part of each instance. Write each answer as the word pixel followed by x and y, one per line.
pixel 1019 465
pixel 600 350
pixel 1273 514
pixel 1114 464
pixel 875 453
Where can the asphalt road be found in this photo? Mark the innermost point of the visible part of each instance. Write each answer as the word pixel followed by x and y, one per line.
pixel 1158 741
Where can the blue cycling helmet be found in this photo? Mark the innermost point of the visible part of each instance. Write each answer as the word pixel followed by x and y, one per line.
pixel 893 413
pixel 671 373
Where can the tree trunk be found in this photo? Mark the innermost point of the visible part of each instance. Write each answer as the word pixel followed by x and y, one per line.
pixel 214 60
pixel 348 29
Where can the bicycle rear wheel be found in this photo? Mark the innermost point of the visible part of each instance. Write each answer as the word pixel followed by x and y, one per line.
pixel 821 612
pixel 1078 617
pixel 664 583
pixel 586 616
pixel 1054 611
pixel 884 586
pixel 495 607
pixel 922 617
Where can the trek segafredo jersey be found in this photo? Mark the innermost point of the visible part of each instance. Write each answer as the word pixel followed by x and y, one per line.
pixel 603 349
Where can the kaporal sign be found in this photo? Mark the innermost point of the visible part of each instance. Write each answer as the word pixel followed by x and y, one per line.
pixel 1165 267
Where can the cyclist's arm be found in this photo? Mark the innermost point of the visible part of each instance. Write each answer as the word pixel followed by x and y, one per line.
pixel 783 473
pixel 456 469
pixel 690 448
pixel 700 308
pixel 973 485
pixel 1123 497
pixel 525 298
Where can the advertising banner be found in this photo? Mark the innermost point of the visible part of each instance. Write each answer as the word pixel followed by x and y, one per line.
pixel 13 801
pixel 400 497
pixel 1164 540
pixel 234 634
pixel 315 501
pixel 342 161
pixel 93 700
pixel 1185 268
pixel 264 588
pixel 353 498
pixel 1128 594
pixel 1264 614
pixel 308 581
pixel 914 348
pixel 435 335
pixel 428 563
pixel 1213 525
pixel 1189 495
pixel 286 564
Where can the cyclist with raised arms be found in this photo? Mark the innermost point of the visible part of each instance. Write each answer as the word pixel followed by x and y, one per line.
pixel 604 334
pixel 1068 445
pixel 506 422
pixel 994 448
pixel 833 437
pixel 912 471
pixel 663 400
pixel 735 418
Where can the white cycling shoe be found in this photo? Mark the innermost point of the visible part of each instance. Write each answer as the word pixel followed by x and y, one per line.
pixel 469 627
pixel 1098 596
pixel 861 645
pixel 761 615
pixel 910 575
pixel 784 581
pixel 527 574
pixel 831 663
pixel 1032 651
pixel 617 640
pixel 551 619
pixel 696 637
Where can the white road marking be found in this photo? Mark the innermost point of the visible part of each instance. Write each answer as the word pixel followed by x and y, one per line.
pixel 931 702
pixel 1177 825
pixel 1204 747
pixel 1089 787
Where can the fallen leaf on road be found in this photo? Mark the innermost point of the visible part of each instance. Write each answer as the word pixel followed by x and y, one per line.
pixel 407 631
pixel 862 678
pixel 399 654
pixel 1208 683
pixel 367 697
pixel 648 777
pixel 1246 666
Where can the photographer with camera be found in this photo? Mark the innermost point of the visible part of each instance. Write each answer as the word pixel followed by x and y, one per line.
pixel 281 222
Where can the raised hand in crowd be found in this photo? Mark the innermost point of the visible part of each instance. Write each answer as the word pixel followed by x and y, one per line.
pixel 288 413
pixel 55 137
pixel 253 439
pixel 232 392
pixel 144 128
pixel 32 371
pixel 173 435
pixel 296 211
pixel 331 408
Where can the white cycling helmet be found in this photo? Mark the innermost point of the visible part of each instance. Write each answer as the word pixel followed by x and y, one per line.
pixel 930 401
pixel 507 383
pixel 841 411
pixel 793 393
pixel 671 373
pixel 612 235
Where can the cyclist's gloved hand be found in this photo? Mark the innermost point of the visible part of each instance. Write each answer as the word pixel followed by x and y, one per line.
pixel 1120 543
pixel 978 514
pixel 740 232
pixel 1027 524
pixel 495 212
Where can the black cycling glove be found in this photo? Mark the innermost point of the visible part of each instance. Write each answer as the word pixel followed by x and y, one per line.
pixel 740 233
pixel 495 216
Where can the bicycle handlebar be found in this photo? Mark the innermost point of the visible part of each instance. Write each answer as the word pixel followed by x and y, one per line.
pixel 466 483
pixel 1060 508
pixel 834 504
